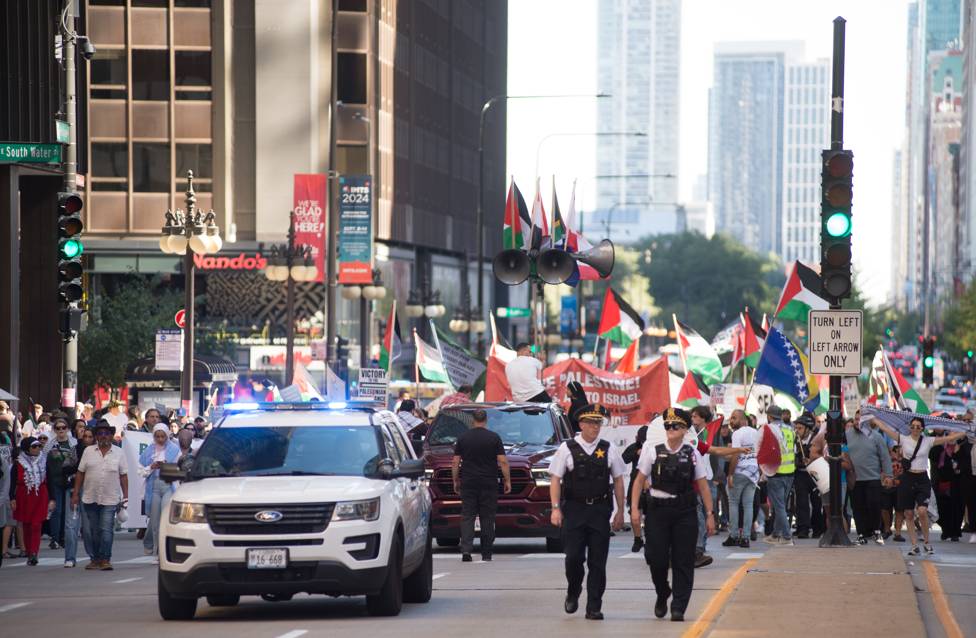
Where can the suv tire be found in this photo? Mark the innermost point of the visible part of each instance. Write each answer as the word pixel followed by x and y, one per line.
pixel 171 608
pixel 389 600
pixel 448 542
pixel 223 600
pixel 554 545
pixel 419 586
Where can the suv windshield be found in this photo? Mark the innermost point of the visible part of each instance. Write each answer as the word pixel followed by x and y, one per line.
pixel 276 451
pixel 515 427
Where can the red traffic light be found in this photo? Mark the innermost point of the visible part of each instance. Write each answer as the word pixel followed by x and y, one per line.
pixel 840 165
pixel 70 202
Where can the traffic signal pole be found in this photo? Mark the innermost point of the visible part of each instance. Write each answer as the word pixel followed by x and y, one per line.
pixel 836 535
pixel 69 384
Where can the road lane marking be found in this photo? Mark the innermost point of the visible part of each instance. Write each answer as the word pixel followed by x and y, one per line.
pixel 127 580
pixel 633 555
pixel 547 555
pixel 139 560
pixel 13 606
pixel 744 555
pixel 294 633
pixel 942 609
pixel 436 576
pixel 715 605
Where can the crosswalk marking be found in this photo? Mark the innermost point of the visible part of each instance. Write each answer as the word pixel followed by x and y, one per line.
pixel 13 606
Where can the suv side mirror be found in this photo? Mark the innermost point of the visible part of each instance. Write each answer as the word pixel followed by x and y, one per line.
pixel 409 469
pixel 385 469
pixel 171 472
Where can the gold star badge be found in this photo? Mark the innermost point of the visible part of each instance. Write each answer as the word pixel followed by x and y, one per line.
pixel 600 454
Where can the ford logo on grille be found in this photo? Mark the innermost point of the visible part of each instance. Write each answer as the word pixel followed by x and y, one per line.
pixel 268 516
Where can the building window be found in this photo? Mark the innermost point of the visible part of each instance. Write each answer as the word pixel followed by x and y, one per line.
pixel 109 159
pixel 108 67
pixel 194 157
pixel 150 74
pixel 353 5
pixel 193 68
pixel 351 78
pixel 150 168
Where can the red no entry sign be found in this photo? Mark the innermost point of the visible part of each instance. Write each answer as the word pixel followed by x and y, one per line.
pixel 180 318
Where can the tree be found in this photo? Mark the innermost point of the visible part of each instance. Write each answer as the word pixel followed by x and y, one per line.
pixel 707 282
pixel 959 325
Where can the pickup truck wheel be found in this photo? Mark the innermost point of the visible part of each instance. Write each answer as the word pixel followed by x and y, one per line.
pixel 418 586
pixel 448 542
pixel 223 600
pixel 554 545
pixel 389 600
pixel 171 608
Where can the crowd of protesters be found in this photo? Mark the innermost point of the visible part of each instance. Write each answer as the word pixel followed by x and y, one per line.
pixel 64 477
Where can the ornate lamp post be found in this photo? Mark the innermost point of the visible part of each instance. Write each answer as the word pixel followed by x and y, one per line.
pixel 424 302
pixel 187 233
pixel 366 295
pixel 290 263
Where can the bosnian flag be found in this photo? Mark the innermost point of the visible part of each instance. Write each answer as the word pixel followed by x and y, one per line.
pixel 697 354
pixel 800 295
pixel 619 323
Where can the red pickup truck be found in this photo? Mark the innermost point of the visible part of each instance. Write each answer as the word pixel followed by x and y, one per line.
pixel 531 432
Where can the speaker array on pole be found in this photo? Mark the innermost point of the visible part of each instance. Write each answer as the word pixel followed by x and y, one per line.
pixel 552 265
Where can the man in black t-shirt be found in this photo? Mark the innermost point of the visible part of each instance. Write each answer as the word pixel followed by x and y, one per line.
pixel 478 454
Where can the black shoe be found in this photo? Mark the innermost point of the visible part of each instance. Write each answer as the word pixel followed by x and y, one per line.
pixel 465 558
pixel 677 616
pixel 803 535
pixel 32 560
pixel 571 604
pixel 486 557
pixel 731 541
pixel 53 545
pixel 703 560
pixel 753 536
pixel 637 546
pixel 898 538
pixel 594 615
pixel 661 605
pixel 744 543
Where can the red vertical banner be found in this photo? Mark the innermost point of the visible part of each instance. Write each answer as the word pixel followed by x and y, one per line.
pixel 311 206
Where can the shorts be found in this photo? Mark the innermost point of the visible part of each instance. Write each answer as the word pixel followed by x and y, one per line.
pixel 914 491
pixel 889 498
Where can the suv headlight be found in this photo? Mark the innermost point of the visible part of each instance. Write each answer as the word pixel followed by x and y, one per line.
pixel 368 510
pixel 541 476
pixel 186 513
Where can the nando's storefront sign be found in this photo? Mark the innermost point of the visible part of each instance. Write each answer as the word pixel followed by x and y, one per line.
pixel 240 262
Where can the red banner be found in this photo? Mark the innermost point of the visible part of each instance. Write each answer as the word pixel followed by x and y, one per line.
pixel 633 398
pixel 311 204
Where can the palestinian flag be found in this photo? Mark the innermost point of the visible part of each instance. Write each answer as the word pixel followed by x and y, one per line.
pixel 693 391
pixel 710 431
pixel 753 338
pixel 429 361
pixel 628 362
pixel 391 345
pixel 905 394
pixel 517 229
pixel 800 295
pixel 619 323
pixel 697 355
pixel 540 224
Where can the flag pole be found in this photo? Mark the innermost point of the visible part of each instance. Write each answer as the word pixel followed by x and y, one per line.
pixel 416 368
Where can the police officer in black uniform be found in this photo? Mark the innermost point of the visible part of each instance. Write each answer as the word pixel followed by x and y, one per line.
pixel 580 491
pixel 673 469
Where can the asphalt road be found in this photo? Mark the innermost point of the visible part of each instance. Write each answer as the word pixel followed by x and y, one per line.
pixel 520 591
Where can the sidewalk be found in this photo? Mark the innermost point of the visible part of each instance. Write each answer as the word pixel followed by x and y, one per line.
pixel 802 592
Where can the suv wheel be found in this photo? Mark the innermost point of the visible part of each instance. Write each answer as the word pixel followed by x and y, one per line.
pixel 448 542
pixel 389 600
pixel 223 600
pixel 418 586
pixel 554 545
pixel 171 608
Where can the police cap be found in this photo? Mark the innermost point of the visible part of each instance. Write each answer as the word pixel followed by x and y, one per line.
pixel 805 419
pixel 592 412
pixel 677 415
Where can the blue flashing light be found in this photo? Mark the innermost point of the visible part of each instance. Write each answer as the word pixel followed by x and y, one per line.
pixel 240 407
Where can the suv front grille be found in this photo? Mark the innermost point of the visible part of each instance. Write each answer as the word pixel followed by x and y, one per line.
pixel 521 482
pixel 304 518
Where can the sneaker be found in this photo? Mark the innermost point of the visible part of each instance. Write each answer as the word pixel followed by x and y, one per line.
pixel 53 545
pixel 929 550
pixel 972 538
pixel 861 540
pixel 731 541
pixel 106 566
pixel 772 540
pixel 886 535
pixel 637 546
pixel 69 563
pixel 32 560
pixel 898 538
pixel 703 560
pixel 744 543
pixel 753 535
pixel 879 539
pixel 787 542
pixel 465 558
pixel 914 551
pixel 93 564
pixel 954 539
pixel 148 551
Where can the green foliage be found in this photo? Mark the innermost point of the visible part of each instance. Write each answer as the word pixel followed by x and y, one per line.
pixel 707 282
pixel 875 321
pixel 959 325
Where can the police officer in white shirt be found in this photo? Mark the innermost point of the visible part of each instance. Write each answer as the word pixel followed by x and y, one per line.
pixel 524 374
pixel 580 491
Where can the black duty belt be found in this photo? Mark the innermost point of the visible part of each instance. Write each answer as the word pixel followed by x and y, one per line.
pixel 589 501
pixel 681 500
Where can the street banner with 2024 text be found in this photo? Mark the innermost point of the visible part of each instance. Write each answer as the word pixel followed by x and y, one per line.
pixel 633 398
pixel 355 229
pixel 311 207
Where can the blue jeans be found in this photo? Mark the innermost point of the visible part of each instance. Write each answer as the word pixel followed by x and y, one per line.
pixel 743 493
pixel 58 516
pixel 778 487
pixel 101 522
pixel 160 490
pixel 75 518
pixel 702 528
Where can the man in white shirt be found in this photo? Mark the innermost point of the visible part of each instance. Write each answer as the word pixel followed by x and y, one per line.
pixel 524 374
pixel 117 418
pixel 102 471
pixel 743 479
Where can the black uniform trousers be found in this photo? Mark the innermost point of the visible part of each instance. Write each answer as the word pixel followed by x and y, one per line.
pixel 809 509
pixel 586 538
pixel 672 531
pixel 866 503
pixel 478 498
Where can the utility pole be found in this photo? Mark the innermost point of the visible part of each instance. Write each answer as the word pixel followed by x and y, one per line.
pixel 332 223
pixel 69 384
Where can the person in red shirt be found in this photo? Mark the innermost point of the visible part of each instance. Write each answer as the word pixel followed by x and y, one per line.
pixel 28 494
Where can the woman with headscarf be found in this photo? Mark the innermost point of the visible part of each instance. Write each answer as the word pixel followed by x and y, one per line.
pixel 28 494
pixel 162 450
pixel 185 440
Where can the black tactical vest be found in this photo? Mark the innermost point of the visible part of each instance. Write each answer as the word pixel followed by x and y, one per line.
pixel 590 476
pixel 673 472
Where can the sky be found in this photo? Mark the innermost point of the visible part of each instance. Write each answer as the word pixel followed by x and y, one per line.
pixel 552 50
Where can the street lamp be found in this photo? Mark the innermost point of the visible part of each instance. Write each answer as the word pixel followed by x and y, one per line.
pixel 189 232
pixel 290 263
pixel 366 295
pixel 424 302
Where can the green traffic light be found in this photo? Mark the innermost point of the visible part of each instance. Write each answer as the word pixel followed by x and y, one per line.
pixel 929 361
pixel 839 224
pixel 71 248
pixel 969 354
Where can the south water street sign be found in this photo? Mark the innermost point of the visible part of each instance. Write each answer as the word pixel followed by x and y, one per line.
pixel 836 342
pixel 26 153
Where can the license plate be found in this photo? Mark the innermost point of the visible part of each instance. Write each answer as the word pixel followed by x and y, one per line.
pixel 267 558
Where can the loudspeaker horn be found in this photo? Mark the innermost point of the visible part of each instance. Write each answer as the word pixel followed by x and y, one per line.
pixel 511 267
pixel 554 266
pixel 600 258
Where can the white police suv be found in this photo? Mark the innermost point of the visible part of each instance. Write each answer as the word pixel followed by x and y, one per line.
pixel 289 498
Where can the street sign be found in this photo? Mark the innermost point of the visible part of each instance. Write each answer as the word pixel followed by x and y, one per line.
pixel 512 312
pixel 180 318
pixel 28 153
pixel 835 342
pixel 374 384
pixel 169 349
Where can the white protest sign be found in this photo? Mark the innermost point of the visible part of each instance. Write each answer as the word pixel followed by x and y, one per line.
pixel 374 384
pixel 835 342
